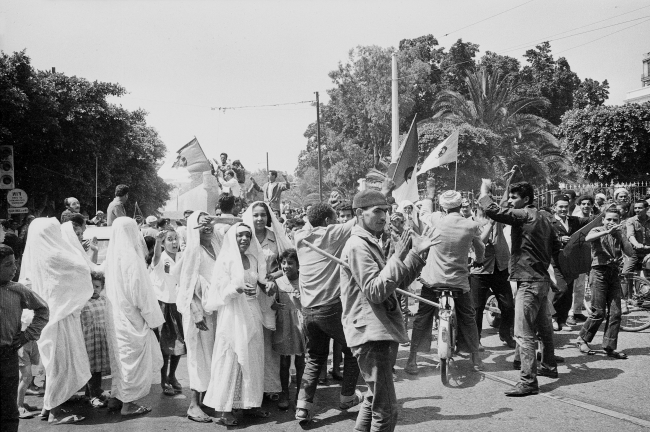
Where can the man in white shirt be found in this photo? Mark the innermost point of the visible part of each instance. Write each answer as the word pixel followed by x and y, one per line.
pixel 229 183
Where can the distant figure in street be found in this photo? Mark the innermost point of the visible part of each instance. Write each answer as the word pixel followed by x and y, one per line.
pixel 272 189
pixel 116 207
pixel 72 206
pixel 150 228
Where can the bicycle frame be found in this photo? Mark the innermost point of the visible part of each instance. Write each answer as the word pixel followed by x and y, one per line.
pixel 447 327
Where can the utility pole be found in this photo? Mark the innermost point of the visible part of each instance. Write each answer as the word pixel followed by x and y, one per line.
pixel 320 168
pixel 395 109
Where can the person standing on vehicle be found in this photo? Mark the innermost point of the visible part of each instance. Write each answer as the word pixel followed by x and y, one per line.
pixel 372 320
pixel 608 243
pixel 272 189
pixel 116 207
pixel 534 246
pixel 447 268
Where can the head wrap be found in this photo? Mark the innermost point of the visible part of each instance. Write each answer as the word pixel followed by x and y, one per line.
pixel 281 238
pixel 620 190
pixel 601 195
pixel 369 198
pixel 450 199
pixel 54 270
pixel 151 219
pixel 187 267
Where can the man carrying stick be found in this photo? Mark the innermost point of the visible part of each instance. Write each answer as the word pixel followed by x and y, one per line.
pixel 372 320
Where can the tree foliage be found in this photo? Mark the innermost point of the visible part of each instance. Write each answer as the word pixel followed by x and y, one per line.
pixel 610 143
pixel 60 125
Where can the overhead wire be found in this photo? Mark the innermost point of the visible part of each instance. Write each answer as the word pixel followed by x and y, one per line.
pixel 490 17
pixel 602 37
pixel 259 106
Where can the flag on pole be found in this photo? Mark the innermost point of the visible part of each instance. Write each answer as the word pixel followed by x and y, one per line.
pixel 444 153
pixel 403 172
pixel 192 157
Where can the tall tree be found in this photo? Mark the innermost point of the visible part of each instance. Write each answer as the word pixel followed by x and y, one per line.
pixel 609 143
pixel 60 125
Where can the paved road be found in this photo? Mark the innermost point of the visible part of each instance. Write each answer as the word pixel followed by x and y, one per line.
pixel 588 386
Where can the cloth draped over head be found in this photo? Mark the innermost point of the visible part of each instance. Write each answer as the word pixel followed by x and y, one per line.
pixel 412 219
pixel 281 238
pixel 187 267
pixel 54 270
pixel 67 231
pixel 133 311
pixel 619 191
pixel 234 308
pixel 282 242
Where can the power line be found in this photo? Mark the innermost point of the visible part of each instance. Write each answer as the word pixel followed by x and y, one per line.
pixel 223 109
pixel 490 17
pixel 602 37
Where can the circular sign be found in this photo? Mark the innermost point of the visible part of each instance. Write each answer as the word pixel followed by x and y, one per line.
pixel 17 197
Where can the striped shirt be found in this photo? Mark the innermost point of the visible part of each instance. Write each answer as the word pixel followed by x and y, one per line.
pixel 15 297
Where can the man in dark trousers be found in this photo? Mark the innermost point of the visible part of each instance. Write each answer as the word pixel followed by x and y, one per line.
pixel 534 246
pixel 371 318
pixel 564 226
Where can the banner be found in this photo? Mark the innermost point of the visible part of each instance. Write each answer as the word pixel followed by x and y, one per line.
pixel 444 153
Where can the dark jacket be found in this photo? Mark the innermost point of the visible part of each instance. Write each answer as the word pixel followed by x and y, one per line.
pixel 574 223
pixel 534 241
pixel 370 308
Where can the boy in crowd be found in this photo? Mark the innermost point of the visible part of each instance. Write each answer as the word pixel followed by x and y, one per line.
pixel 608 243
pixel 14 298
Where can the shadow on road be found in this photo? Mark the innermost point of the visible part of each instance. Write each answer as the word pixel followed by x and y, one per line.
pixel 426 412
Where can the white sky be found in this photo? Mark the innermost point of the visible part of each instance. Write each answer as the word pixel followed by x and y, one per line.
pixel 179 58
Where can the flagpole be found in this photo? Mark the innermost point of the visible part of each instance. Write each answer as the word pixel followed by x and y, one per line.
pixel 456 174
pixel 395 108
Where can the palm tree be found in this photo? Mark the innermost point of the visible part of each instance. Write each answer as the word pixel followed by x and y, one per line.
pixel 494 104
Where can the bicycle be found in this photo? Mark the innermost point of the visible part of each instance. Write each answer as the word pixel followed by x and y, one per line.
pixel 447 329
pixel 637 300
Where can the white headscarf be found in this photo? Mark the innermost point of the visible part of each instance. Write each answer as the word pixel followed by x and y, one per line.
pixel 54 270
pixel 414 218
pixel 281 238
pixel 67 231
pixel 188 265
pixel 227 276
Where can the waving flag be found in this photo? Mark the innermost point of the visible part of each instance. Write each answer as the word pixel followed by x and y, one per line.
pixel 191 156
pixel 403 172
pixel 444 153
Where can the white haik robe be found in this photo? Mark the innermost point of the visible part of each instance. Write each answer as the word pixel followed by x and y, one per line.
pixel 194 272
pixel 54 270
pixel 132 313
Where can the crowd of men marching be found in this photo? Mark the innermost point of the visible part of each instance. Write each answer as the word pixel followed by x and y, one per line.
pixel 248 293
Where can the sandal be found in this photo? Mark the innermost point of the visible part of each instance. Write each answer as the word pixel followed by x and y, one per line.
pixel 256 413
pixel 584 347
pixel 225 421
pixel 140 411
pixel 98 403
pixel 616 354
pixel 24 413
pixel 205 419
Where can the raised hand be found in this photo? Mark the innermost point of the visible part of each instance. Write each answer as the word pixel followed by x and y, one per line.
pixel 421 244
pixel 403 244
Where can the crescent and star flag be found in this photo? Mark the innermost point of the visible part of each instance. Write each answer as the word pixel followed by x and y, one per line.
pixel 403 172
pixel 191 156
pixel 444 153
pixel 575 258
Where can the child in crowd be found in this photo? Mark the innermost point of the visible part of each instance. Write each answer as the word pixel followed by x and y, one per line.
pixel 93 324
pixel 288 338
pixel 608 244
pixel 170 336
pixel 28 356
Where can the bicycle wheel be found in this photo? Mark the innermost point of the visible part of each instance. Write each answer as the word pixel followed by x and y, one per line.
pixel 443 371
pixel 638 303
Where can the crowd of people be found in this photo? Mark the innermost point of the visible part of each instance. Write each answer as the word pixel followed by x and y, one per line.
pixel 254 291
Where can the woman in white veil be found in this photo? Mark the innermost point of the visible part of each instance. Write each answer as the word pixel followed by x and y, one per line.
pixel 133 313
pixel 412 219
pixel 238 371
pixel 270 238
pixel 54 270
pixel 194 272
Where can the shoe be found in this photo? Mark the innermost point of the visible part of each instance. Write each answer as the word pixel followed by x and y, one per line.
pixel 411 369
pixel 303 415
pixel 580 317
pixel 283 402
pixel 481 348
pixel 509 341
pixel 516 364
pixel 477 362
pixel 559 359
pixel 521 390
pixel 358 398
pixel 547 372
pixel 556 326
pixel 571 321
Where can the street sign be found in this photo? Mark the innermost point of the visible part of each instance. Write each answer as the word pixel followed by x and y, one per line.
pixel 17 210
pixel 17 197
